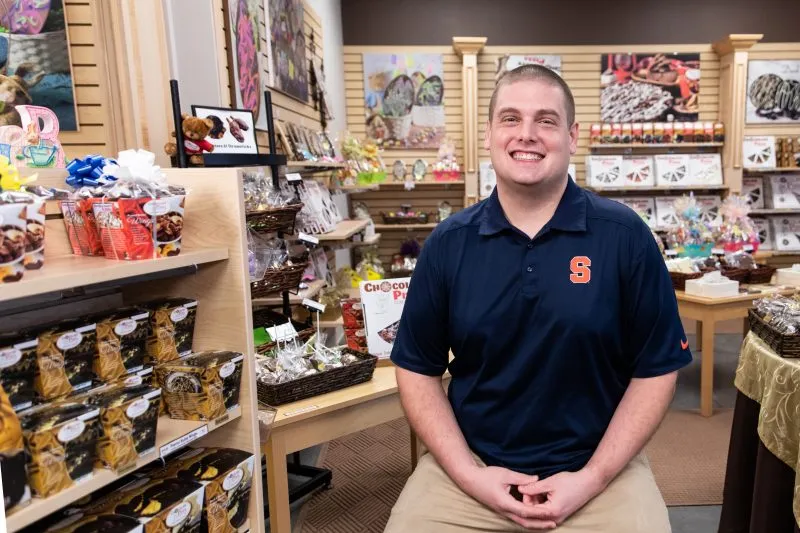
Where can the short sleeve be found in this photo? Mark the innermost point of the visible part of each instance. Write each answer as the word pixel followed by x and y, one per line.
pixel 657 343
pixel 422 344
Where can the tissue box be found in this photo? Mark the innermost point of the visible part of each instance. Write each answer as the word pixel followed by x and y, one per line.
pixel 719 288
pixel 788 276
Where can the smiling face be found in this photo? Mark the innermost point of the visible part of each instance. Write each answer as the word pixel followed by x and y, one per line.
pixel 529 135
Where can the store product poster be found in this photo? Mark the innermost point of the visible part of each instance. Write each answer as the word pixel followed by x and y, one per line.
pixel 232 131
pixel 382 302
pixel 245 46
pixel 773 92
pixel 289 67
pixel 34 61
pixel 649 87
pixel 510 62
pixel 404 99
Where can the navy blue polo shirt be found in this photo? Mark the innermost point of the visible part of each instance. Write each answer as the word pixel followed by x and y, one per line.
pixel 546 333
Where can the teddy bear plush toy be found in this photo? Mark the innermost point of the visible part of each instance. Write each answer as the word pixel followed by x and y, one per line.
pixel 195 130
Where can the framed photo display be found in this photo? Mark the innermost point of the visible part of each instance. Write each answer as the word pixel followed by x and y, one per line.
pixel 233 131
pixel 773 92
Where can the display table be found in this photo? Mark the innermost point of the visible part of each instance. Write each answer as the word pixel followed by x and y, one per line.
pixel 707 312
pixel 306 423
pixel 762 489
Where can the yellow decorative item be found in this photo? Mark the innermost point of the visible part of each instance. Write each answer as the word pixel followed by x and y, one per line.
pixel 10 179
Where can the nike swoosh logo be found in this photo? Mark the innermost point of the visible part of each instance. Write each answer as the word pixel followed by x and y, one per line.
pixel 684 344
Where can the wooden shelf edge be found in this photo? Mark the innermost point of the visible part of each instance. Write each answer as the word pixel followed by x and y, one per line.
pixel 344 230
pixel 314 287
pixel 659 188
pixel 654 145
pixel 406 227
pixel 770 170
pixel 70 271
pixel 168 431
pixel 776 211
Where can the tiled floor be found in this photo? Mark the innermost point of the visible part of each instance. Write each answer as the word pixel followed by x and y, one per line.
pixel 696 519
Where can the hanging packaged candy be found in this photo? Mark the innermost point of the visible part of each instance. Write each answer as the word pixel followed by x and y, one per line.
pixel 737 230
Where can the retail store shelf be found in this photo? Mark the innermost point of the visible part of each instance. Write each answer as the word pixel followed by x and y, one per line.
pixel 658 189
pixel 765 254
pixel 785 211
pixel 71 271
pixel 172 435
pixel 313 165
pixel 406 227
pixel 426 183
pixel 661 145
pixel 771 170
pixel 294 299
pixel 344 230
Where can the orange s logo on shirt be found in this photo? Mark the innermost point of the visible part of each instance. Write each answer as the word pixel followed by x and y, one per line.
pixel 579 266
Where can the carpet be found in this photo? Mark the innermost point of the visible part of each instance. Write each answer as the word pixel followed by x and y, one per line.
pixel 687 455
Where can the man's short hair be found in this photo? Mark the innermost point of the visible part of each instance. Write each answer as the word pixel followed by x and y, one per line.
pixel 535 73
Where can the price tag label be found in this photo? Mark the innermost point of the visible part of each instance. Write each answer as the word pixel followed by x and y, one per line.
pixel 717 251
pixel 671 253
pixel 181 442
pixel 747 247
pixel 294 176
pixel 308 238
pixel 314 305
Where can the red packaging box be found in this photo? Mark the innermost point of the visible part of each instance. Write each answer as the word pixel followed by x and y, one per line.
pixel 352 313
pixel 84 237
pixel 140 228
pixel 356 339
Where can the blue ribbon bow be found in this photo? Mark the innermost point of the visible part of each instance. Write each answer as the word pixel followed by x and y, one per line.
pixel 88 172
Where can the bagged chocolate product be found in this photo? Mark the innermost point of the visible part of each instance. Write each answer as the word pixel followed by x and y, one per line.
pixel 171 328
pixel 81 226
pixel 227 474
pixel 203 386
pixel 61 441
pixel 16 491
pixel 128 422
pixel 34 235
pixel 160 505
pixel 13 237
pixel 96 523
pixel 64 357
pixel 17 368
pixel 121 343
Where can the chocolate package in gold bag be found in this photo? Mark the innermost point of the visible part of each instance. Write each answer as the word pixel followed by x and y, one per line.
pixel 121 343
pixel 17 368
pixel 96 523
pixel 171 328
pixel 128 420
pixel 16 491
pixel 161 505
pixel 61 441
pixel 64 357
pixel 203 386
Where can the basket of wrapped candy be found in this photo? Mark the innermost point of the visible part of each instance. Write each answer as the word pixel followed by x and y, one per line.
pixel 299 370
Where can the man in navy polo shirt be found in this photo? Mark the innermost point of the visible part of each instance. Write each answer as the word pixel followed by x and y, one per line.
pixel 566 341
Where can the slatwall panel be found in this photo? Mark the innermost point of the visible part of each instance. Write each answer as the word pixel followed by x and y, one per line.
pixel 580 67
pixel 92 113
pixel 428 197
pixel 774 51
pixel 285 108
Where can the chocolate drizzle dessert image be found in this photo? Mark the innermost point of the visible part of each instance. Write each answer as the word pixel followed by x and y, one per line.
pixel 649 87
pixel 389 332
pixel 773 91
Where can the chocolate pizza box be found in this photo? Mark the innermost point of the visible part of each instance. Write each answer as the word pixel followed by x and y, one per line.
pixel 382 303
pixel 16 491
pixel 17 368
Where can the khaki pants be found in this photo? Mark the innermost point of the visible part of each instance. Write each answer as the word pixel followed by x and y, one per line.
pixel 431 502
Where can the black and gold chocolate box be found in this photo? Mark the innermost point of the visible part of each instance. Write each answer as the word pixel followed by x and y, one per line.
pixel 64 357
pixel 160 505
pixel 18 367
pixel 203 386
pixel 16 491
pixel 61 441
pixel 227 474
pixel 121 343
pixel 97 523
pixel 171 328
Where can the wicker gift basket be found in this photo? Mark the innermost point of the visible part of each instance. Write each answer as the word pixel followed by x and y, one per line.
pixel 785 345
pixel 285 278
pixel 761 274
pixel 268 318
pixel 320 383
pixel 274 218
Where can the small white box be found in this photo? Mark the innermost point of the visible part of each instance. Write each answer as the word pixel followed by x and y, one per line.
pixel 785 191
pixel 487 178
pixel 705 169
pixel 638 171
pixel 759 151
pixel 712 285
pixel 766 237
pixel 645 206
pixel 709 207
pixel 672 169
pixel 753 189
pixel 382 302
pixel 665 212
pixel 788 276
pixel 787 232
pixel 604 171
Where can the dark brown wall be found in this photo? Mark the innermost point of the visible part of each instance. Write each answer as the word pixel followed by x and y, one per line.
pixel 528 22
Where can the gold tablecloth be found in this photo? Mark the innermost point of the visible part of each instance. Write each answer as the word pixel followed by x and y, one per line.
pixel 774 382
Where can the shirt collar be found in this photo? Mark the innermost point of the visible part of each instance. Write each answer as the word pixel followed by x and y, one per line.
pixel 570 215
